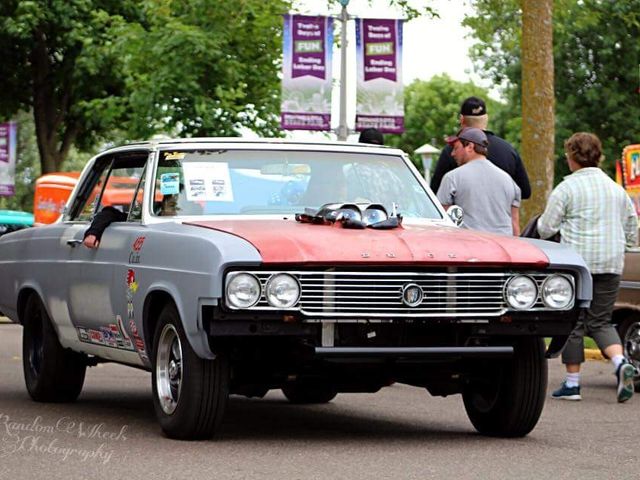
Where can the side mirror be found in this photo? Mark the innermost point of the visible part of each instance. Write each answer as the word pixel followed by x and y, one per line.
pixel 456 213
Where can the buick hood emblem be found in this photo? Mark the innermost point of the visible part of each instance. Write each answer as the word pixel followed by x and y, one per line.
pixel 412 295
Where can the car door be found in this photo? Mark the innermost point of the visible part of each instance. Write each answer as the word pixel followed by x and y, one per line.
pixel 92 299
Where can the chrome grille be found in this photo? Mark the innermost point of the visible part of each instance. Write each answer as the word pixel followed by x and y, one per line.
pixel 379 295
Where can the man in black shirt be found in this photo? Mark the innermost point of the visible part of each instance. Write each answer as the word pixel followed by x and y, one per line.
pixel 473 113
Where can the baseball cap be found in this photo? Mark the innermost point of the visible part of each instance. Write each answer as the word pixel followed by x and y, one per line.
pixel 473 107
pixel 470 134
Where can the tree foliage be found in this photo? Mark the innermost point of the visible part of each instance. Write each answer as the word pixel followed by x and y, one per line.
pixel 596 57
pixel 27 166
pixel 204 67
pixel 59 64
pixel 87 67
pixel 432 111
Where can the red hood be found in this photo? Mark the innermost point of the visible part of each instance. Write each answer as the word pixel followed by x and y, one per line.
pixel 285 241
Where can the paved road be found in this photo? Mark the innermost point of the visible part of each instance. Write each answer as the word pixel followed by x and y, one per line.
pixel 400 433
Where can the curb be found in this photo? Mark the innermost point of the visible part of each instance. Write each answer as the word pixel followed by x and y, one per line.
pixel 593 354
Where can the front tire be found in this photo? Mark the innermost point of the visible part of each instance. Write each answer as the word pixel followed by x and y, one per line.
pixel 507 399
pixel 629 331
pixel 189 393
pixel 51 372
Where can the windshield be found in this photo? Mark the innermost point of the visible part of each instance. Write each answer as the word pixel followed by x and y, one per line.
pixel 246 182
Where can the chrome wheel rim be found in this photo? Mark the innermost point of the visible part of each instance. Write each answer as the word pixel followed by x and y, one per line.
pixel 631 344
pixel 169 369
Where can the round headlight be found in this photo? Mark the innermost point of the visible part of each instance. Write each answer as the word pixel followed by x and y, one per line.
pixel 282 291
pixel 521 292
pixel 243 290
pixel 557 292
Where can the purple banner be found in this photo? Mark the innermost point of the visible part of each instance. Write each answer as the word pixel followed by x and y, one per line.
pixel 305 121
pixel 385 124
pixel 306 73
pixel 308 34
pixel 379 44
pixel 380 93
pixel 4 142
pixel 8 147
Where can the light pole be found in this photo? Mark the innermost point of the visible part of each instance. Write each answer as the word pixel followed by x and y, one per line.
pixel 343 129
pixel 427 152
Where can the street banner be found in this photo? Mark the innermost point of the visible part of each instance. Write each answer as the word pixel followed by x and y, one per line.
pixel 379 98
pixel 306 79
pixel 8 151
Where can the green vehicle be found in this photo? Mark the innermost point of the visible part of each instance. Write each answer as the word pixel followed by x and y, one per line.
pixel 12 220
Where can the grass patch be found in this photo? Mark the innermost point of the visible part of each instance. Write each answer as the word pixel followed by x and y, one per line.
pixel 588 343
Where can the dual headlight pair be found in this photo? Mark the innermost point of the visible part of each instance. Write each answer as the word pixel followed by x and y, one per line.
pixel 244 290
pixel 282 290
pixel 556 292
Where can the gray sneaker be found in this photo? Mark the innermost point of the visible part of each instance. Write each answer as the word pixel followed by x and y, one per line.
pixel 625 374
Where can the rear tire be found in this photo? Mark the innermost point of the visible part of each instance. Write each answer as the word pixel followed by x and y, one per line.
pixel 308 393
pixel 189 393
pixel 51 373
pixel 629 331
pixel 508 400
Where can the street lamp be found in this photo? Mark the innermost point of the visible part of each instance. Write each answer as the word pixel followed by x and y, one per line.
pixel 343 129
pixel 427 151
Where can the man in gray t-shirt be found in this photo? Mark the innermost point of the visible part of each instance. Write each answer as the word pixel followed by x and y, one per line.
pixel 489 196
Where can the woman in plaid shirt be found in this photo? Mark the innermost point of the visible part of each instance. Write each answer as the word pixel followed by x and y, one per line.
pixel 595 216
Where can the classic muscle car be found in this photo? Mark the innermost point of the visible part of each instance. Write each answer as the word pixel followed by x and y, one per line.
pixel 626 314
pixel 311 268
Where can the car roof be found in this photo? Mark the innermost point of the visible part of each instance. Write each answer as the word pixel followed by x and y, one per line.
pixel 260 143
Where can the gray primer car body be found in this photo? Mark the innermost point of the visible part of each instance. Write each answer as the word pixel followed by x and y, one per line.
pixel 102 302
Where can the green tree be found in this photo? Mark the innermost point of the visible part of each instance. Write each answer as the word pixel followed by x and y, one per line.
pixel 596 55
pixel 27 166
pixel 88 67
pixel 58 63
pixel 204 67
pixel 432 111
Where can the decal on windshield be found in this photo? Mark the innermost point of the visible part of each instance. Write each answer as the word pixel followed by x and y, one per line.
pixel 170 183
pixel 210 182
pixel 174 155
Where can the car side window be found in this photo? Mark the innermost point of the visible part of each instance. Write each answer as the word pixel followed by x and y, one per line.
pixel 121 186
pixel 113 182
pixel 85 203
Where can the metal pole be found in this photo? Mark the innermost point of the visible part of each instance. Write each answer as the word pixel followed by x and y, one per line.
pixel 343 130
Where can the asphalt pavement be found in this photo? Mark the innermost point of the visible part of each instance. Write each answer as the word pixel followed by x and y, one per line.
pixel 400 432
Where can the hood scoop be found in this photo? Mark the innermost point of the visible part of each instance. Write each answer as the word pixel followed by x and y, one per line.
pixel 352 215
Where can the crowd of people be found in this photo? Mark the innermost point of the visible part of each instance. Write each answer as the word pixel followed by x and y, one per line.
pixel 484 174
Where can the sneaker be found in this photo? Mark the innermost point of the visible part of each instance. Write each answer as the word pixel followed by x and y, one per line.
pixel 567 393
pixel 625 374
